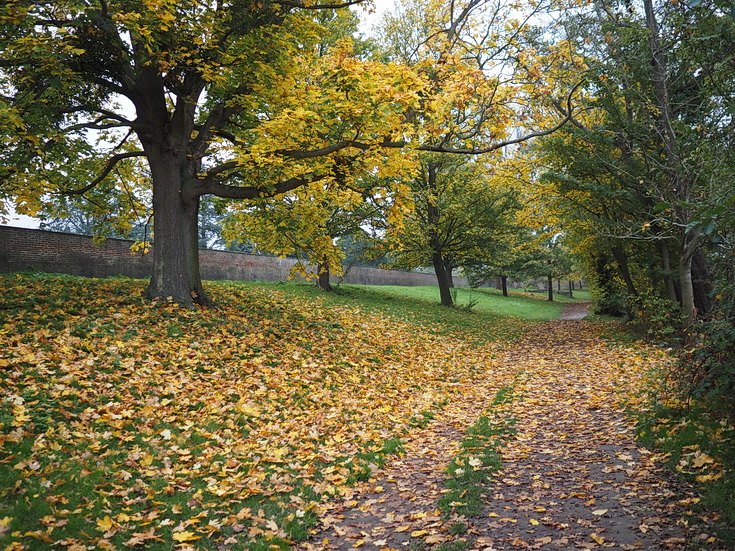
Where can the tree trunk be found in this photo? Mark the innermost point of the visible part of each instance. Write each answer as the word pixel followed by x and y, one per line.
pixel 504 283
pixel 176 274
pixel 323 276
pixel 666 268
pixel 622 261
pixel 550 285
pixel 571 289
pixel 450 279
pixel 692 242
pixel 703 285
pixel 445 292
pixel 688 309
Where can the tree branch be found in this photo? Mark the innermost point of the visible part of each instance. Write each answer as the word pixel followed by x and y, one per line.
pixel 225 191
pixel 300 4
pixel 111 163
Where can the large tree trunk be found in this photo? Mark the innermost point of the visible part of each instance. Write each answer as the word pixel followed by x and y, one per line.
pixel 165 140
pixel 666 268
pixel 550 287
pixel 176 274
pixel 504 284
pixel 703 285
pixel 445 291
pixel 692 242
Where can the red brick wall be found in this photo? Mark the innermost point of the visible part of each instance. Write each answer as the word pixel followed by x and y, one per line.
pixel 24 249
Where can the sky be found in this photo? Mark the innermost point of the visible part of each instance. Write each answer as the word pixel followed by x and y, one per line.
pixel 368 20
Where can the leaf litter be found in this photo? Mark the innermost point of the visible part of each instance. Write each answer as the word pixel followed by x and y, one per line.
pixel 130 425
pixel 573 476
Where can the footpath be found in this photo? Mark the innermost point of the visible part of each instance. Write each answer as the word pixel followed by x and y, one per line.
pixel 572 477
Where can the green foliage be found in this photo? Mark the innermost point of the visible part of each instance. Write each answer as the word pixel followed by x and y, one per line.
pixel 700 446
pixel 608 296
pixel 658 317
pixel 708 365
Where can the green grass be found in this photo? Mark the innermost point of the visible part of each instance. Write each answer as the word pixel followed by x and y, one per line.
pixel 690 438
pixel 493 318
pixel 518 305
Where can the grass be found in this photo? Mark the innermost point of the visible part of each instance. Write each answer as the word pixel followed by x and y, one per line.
pixel 518 305
pixel 493 318
pixel 471 470
pixel 126 424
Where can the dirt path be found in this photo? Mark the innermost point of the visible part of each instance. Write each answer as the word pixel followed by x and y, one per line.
pixel 573 476
pixel 575 311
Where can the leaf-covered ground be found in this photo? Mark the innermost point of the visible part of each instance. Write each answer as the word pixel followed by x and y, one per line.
pixel 282 416
pixel 126 424
pixel 570 473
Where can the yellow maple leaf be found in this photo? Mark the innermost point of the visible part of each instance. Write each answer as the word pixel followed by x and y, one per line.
pixel 105 524
pixel 597 538
pixel 185 536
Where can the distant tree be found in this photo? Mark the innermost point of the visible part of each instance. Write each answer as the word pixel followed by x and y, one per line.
pixel 456 219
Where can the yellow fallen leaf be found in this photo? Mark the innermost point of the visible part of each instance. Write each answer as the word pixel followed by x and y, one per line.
pixel 6 521
pixel 358 543
pixel 701 459
pixel 598 539
pixel 436 538
pixel 105 524
pixel 418 533
pixel 534 522
pixel 185 536
pixel 599 512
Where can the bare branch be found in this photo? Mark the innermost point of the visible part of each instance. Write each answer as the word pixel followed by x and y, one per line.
pixel 300 4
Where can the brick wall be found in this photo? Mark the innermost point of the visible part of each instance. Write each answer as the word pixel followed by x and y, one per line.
pixel 24 249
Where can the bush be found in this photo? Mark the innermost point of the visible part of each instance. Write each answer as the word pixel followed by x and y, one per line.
pixel 709 366
pixel 657 317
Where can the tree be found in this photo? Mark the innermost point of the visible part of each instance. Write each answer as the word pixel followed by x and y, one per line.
pixel 216 97
pixel 457 216
pixel 307 224
pixel 640 170
pixel 478 46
